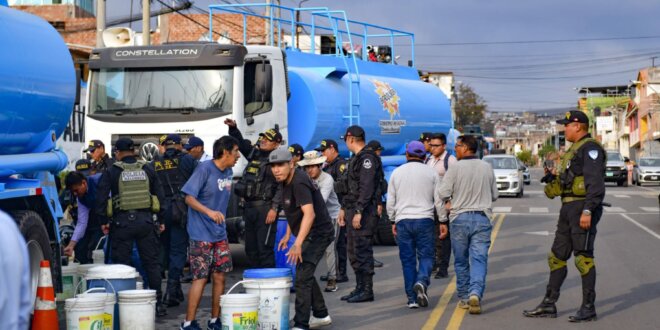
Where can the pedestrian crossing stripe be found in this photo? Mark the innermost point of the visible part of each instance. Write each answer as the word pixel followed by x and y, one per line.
pixel 650 209
pixel 614 210
pixel 621 196
pixel 538 210
pixel 502 209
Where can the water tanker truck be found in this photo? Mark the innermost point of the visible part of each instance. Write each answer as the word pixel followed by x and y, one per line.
pixel 37 90
pixel 190 88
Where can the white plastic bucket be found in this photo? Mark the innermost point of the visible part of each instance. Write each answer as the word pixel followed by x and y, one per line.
pixel 98 256
pixel 70 279
pixel 137 309
pixel 82 274
pixel 139 285
pixel 273 286
pixel 85 313
pixel 240 311
pixel 109 310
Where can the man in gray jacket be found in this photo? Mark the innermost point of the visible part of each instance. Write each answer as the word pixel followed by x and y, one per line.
pixel 469 190
pixel 412 194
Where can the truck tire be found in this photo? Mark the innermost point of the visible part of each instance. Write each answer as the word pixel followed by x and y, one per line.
pixel 38 245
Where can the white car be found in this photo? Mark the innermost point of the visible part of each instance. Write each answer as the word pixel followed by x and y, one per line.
pixel 647 170
pixel 508 174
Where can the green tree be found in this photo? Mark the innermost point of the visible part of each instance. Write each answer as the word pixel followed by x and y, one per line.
pixel 525 156
pixel 470 107
pixel 547 148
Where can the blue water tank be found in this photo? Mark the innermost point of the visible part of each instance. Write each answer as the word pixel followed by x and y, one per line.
pixel 395 105
pixel 37 83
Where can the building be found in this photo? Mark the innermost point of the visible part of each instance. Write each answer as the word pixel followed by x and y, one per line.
pixel 643 115
pixel 606 107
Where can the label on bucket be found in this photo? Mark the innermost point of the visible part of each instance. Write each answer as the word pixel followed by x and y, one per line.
pixel 107 321
pixel 273 312
pixel 92 322
pixel 241 321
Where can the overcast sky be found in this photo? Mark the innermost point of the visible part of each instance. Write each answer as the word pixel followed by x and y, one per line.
pixel 450 36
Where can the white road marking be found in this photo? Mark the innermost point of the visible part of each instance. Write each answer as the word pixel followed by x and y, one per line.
pixel 502 209
pixel 614 210
pixel 650 209
pixel 538 210
pixel 538 233
pixel 646 229
pixel 621 196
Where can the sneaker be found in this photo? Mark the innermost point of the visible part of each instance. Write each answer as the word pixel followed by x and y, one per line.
pixel 192 326
pixel 315 323
pixel 422 298
pixel 475 304
pixel 377 263
pixel 412 305
pixel 463 304
pixel 217 325
pixel 331 286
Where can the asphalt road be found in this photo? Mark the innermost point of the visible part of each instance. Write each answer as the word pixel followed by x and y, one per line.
pixel 628 287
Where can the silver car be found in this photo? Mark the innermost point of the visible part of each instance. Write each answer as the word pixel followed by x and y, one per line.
pixel 508 174
pixel 647 170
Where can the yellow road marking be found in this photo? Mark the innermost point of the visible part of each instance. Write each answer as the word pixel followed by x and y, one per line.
pixel 459 314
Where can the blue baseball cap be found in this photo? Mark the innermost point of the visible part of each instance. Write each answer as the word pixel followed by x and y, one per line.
pixel 193 141
pixel 416 149
pixel 172 139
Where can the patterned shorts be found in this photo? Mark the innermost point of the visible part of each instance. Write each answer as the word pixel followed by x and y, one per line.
pixel 209 257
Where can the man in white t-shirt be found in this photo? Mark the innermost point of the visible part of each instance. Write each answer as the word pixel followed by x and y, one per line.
pixel 440 160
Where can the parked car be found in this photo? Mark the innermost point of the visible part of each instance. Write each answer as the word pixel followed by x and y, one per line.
pixel 616 170
pixel 646 170
pixel 508 174
pixel 527 178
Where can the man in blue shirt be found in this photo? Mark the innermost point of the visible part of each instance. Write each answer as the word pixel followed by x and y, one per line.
pixel 207 195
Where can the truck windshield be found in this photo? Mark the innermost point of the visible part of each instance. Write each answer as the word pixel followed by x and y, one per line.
pixel 501 163
pixel 163 90
pixel 615 156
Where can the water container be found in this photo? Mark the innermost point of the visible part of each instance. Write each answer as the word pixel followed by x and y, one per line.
pixel 70 280
pixel 85 313
pixel 115 278
pixel 137 309
pixel 240 311
pixel 272 285
pixel 82 273
pixel 110 301
pixel 280 256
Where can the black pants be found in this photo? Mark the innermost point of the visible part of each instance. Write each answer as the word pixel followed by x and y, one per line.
pixel 174 241
pixel 570 238
pixel 87 244
pixel 138 227
pixel 342 252
pixel 308 293
pixel 442 249
pixel 360 241
pixel 259 237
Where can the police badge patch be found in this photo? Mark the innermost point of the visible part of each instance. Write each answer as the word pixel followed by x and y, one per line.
pixel 366 164
pixel 593 154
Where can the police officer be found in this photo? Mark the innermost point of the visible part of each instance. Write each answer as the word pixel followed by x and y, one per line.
pixel 100 160
pixel 297 152
pixel 579 182
pixel 129 214
pixel 382 187
pixel 335 166
pixel 425 138
pixel 173 169
pixel 360 202
pixel 257 187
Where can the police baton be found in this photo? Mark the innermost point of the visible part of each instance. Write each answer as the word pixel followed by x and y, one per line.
pixel 268 234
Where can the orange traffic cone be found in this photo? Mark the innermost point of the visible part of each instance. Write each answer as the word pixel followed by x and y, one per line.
pixel 45 312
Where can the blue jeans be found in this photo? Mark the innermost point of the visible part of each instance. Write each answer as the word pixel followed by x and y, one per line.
pixel 470 241
pixel 416 241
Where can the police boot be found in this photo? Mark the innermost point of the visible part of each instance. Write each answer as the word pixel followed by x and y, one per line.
pixel 367 293
pixel 161 310
pixel 587 311
pixel 170 296
pixel 359 283
pixel 546 308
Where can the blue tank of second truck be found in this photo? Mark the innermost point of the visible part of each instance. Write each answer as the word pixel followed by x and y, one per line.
pixel 37 83
pixel 395 105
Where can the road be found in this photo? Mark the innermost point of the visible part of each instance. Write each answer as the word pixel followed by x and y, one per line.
pixel 627 261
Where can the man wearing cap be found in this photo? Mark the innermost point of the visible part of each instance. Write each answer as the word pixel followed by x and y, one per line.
pixel 469 190
pixel 297 152
pixel 412 196
pixel 100 160
pixel 440 160
pixel 195 148
pixel 173 169
pixel 425 138
pixel 382 186
pixel 336 166
pixel 359 204
pixel 311 163
pixel 309 221
pixel 258 188
pixel 127 197
pixel 579 181
pixel 87 230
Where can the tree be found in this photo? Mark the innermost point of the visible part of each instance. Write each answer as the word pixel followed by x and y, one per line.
pixel 470 107
pixel 547 148
pixel 525 156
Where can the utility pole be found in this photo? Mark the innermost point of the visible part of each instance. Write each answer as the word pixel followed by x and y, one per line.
pixel 100 22
pixel 146 22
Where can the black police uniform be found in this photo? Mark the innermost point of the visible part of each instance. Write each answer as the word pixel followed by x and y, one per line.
pixel 132 227
pixel 363 173
pixel 260 186
pixel 93 232
pixel 174 168
pixel 335 169
pixel 588 162
pixel 102 165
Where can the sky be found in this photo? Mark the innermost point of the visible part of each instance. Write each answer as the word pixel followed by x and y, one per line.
pixel 502 49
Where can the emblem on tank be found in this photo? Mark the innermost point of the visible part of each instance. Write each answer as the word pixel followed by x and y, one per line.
pixel 388 97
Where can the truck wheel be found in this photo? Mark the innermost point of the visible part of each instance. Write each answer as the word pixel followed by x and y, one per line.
pixel 38 245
